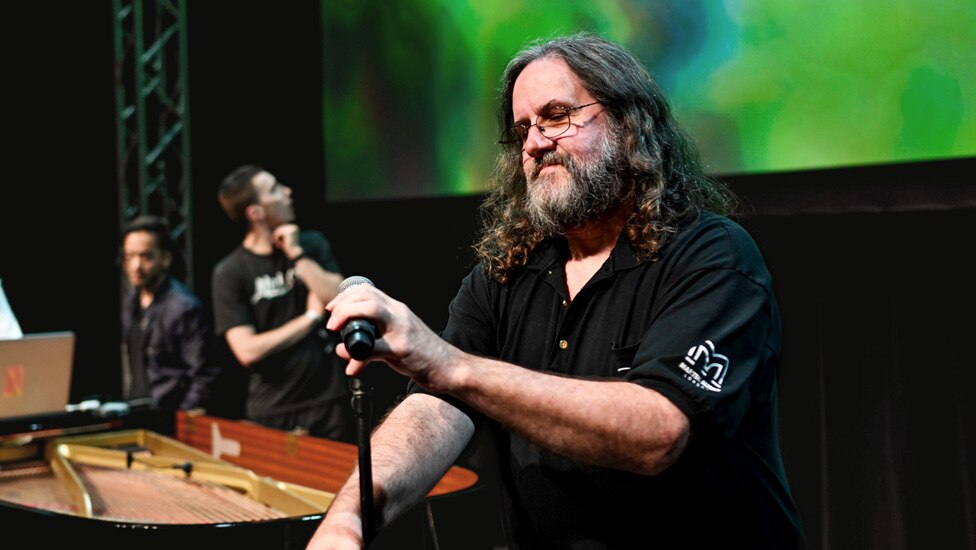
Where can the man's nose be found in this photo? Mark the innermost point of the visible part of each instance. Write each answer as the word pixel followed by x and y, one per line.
pixel 536 143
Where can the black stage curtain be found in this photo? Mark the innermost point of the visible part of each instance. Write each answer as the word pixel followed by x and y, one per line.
pixel 877 415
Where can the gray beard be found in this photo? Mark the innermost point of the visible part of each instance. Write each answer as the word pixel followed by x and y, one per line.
pixel 592 188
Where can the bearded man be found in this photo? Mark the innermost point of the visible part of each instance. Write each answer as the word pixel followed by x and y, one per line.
pixel 619 336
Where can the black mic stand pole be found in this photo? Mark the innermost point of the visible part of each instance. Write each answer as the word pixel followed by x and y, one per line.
pixel 362 408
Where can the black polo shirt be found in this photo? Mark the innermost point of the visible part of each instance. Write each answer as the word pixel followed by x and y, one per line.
pixel 700 325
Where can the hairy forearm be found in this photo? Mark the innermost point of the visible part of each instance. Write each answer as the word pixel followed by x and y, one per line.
pixel 607 423
pixel 414 446
pixel 612 424
pixel 411 450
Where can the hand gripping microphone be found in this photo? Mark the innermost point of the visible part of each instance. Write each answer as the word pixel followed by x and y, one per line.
pixel 358 335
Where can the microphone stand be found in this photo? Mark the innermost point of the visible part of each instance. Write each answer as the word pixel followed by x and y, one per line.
pixel 363 411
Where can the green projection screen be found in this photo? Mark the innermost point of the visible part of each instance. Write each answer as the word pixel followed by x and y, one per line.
pixel 410 87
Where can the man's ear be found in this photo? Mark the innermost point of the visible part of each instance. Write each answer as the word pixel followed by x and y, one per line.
pixel 254 212
pixel 167 259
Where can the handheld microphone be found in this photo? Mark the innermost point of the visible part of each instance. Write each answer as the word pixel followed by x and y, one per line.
pixel 358 335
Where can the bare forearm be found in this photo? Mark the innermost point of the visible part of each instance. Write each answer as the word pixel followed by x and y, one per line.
pixel 250 347
pixel 611 424
pixel 287 237
pixel 415 445
pixel 323 283
pixel 411 450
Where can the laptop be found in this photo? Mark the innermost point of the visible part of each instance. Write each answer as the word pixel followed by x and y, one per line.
pixel 35 373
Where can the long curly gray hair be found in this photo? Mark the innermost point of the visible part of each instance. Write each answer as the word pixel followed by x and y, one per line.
pixel 665 175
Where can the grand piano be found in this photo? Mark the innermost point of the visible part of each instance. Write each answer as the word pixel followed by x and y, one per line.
pixel 148 479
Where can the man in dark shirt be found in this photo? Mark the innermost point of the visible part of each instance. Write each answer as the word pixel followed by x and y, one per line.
pixel 619 336
pixel 269 295
pixel 165 333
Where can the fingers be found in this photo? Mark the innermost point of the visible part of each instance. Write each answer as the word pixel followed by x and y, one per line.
pixel 357 302
pixel 354 366
pixel 285 236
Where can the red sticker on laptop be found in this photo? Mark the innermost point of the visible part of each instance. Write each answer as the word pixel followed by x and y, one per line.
pixel 13 381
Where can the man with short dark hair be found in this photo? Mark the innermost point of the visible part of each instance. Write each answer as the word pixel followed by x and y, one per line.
pixel 269 295
pixel 619 337
pixel 165 333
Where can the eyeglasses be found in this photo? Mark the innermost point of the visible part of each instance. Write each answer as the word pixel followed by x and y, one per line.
pixel 552 123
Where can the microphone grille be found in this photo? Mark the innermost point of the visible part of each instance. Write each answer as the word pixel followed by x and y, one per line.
pixel 352 281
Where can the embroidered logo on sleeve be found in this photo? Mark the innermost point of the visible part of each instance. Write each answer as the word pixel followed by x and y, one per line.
pixel 704 368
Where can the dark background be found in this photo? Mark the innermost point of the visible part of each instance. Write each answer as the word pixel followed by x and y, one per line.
pixel 872 265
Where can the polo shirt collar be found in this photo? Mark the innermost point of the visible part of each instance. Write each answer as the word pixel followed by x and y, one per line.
pixel 552 253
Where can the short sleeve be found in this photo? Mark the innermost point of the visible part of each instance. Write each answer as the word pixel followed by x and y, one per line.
pixel 714 342
pixel 230 299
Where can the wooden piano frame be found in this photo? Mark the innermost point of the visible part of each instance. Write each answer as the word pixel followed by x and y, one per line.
pixel 291 457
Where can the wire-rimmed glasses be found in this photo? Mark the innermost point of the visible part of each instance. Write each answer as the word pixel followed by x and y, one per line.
pixel 552 123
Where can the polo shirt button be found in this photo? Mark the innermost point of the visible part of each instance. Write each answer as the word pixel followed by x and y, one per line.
pixel 565 303
pixel 563 344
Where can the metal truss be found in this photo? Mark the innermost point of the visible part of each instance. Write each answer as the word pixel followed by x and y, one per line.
pixel 153 118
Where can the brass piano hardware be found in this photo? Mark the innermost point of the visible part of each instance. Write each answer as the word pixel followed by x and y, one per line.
pixel 19 451
pixel 75 459
pixel 291 442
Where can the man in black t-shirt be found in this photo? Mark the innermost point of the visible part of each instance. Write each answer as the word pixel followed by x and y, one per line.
pixel 619 336
pixel 268 299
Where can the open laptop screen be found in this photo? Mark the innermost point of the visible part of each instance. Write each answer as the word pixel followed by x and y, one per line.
pixel 35 373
